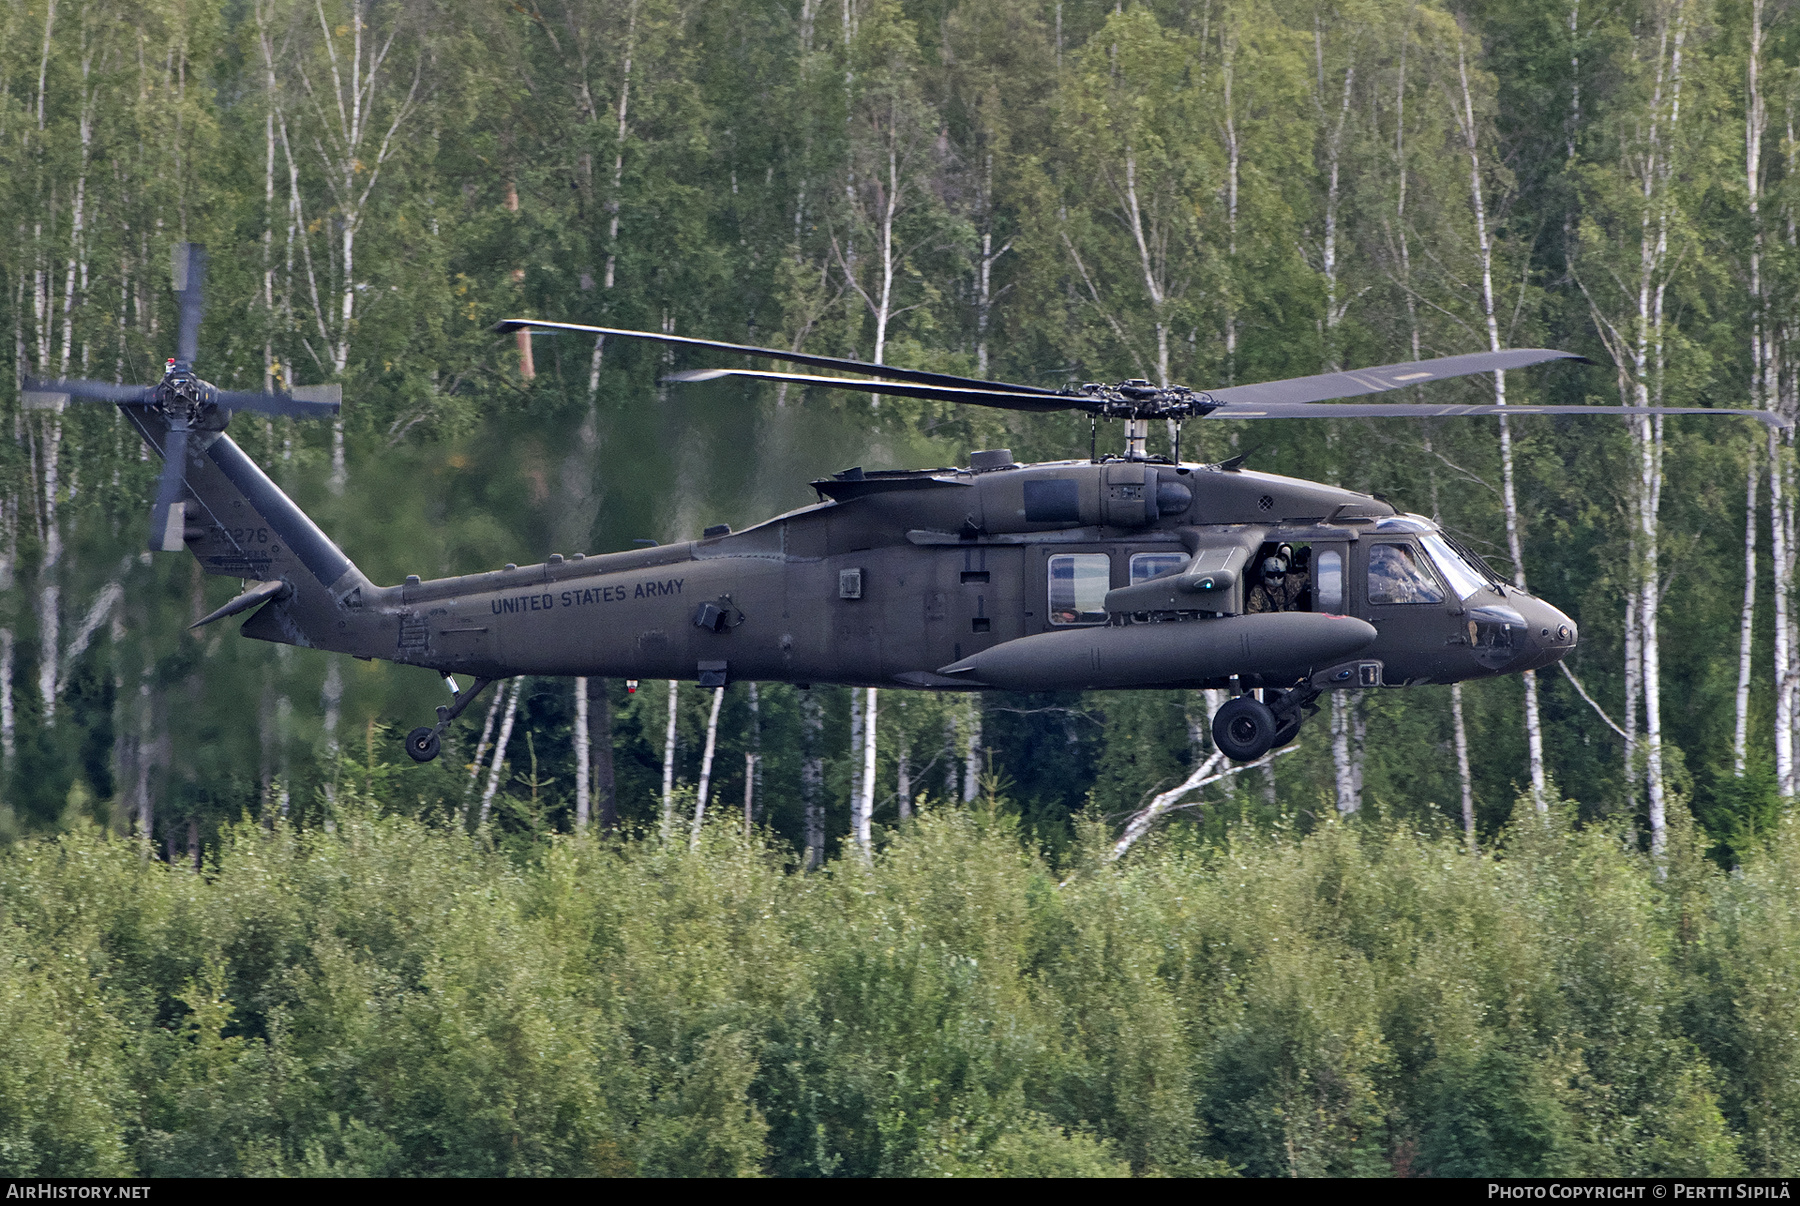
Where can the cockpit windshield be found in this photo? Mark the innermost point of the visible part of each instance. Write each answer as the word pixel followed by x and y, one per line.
pixel 1464 578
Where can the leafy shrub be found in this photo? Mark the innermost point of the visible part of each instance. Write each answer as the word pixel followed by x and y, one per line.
pixel 395 998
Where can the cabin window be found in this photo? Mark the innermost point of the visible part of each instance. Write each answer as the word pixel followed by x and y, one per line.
pixel 1328 581
pixel 1145 566
pixel 1398 575
pixel 1078 586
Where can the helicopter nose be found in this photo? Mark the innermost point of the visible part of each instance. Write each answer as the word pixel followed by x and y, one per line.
pixel 1552 634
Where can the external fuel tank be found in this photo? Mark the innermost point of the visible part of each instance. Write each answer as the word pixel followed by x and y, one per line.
pixel 1291 644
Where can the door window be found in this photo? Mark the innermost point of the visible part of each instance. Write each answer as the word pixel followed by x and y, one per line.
pixel 1078 586
pixel 1398 575
pixel 1145 566
pixel 1328 581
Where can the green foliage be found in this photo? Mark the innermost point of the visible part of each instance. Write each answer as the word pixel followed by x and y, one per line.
pixel 400 998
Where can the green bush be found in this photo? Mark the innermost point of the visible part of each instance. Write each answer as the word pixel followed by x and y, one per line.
pixel 397 998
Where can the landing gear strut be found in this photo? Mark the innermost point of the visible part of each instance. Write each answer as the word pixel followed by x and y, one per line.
pixel 423 743
pixel 1246 728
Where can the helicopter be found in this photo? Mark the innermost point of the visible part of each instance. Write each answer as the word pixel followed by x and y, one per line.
pixel 1119 571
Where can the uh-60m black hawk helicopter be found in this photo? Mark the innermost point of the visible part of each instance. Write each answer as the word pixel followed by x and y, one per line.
pixel 1114 571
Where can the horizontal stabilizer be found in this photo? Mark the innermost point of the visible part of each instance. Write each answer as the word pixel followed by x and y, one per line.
pixel 262 592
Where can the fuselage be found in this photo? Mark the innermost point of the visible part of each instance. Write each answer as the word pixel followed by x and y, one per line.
pixel 918 578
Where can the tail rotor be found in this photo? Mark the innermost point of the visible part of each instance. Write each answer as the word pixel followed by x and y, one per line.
pixel 181 403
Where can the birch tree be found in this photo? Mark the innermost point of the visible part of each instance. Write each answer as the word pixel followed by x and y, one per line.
pixel 1470 131
pixel 1644 228
pixel 359 75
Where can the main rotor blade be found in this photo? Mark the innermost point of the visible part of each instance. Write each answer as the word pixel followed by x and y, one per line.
pixel 280 404
pixel 190 294
pixel 87 391
pixel 830 362
pixel 974 397
pixel 168 518
pixel 1426 410
pixel 1384 377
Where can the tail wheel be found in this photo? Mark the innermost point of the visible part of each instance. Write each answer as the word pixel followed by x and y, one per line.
pixel 422 743
pixel 1244 729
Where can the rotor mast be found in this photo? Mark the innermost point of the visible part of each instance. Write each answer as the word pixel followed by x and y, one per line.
pixel 1137 433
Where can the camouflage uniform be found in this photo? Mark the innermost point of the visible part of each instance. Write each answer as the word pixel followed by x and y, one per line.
pixel 1284 595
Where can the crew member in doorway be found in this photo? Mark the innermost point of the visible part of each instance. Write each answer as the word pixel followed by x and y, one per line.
pixel 1283 584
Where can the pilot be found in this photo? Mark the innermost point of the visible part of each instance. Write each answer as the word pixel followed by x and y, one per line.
pixel 1280 586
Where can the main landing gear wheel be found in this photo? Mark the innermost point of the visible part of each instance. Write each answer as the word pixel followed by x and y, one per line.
pixel 1244 729
pixel 422 743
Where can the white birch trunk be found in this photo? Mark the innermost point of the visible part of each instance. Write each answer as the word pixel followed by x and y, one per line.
pixel 618 180
pixel 1784 586
pixel 1345 764
pixel 1344 777
pixel 1762 369
pixel 903 778
pixel 146 746
pixel 865 805
pixel 1634 687
pixel 952 747
pixel 753 761
pixel 1334 148
pixel 812 777
pixel 1740 735
pixel 706 765
pixel 984 281
pixel 1462 765
pixel 1154 288
pixel 487 731
pixel 1534 733
pixel 583 801
pixel 668 784
pixel 49 584
pixel 1204 773
pixel 331 697
pixel 1233 155
pixel 500 743
pixel 353 152
pixel 284 725
pixel 972 766
pixel 9 725
pixel 856 759
pixel 9 555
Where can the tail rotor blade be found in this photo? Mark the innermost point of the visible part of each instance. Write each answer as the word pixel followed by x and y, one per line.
pixel 305 402
pixel 168 518
pixel 53 395
pixel 190 287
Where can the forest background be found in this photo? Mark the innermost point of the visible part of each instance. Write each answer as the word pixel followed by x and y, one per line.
pixel 1203 192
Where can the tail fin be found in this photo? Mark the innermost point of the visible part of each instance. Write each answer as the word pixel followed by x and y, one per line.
pixel 239 524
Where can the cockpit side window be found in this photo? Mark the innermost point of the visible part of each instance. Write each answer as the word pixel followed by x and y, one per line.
pixel 1397 574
